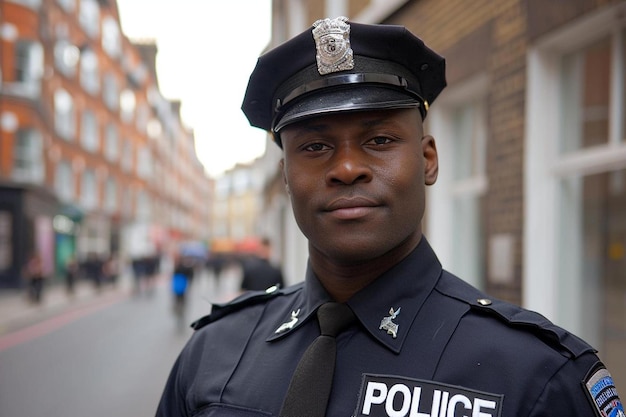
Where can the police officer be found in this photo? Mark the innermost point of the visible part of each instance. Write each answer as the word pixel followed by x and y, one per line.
pixel 346 102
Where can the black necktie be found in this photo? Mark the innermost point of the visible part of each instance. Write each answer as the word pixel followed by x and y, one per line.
pixel 311 383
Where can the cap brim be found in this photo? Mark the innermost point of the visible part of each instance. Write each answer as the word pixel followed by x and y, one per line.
pixel 358 98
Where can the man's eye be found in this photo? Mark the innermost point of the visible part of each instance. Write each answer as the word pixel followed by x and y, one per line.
pixel 380 140
pixel 315 147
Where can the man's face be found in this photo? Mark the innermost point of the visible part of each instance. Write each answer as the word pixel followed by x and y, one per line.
pixel 356 181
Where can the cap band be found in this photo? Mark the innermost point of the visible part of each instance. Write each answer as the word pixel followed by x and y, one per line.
pixel 344 79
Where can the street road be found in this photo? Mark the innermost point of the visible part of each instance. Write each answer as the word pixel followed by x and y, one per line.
pixel 109 359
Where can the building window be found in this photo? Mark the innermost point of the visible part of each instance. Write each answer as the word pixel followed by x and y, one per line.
pixel 127 105
pixel 585 95
pixel 28 161
pixel 112 143
pixel 592 260
pixel 64 115
pixel 89 132
pixel 127 156
pixel 575 229
pixel 89 17
pixel 454 222
pixel 144 162
pixel 143 205
pixel 89 189
pixel 64 181
pixel 143 116
pixel 127 202
pixel 28 61
pixel 67 5
pixel 111 92
pixel 111 39
pixel 66 57
pixel 469 185
pixel 110 201
pixel 33 4
pixel 89 72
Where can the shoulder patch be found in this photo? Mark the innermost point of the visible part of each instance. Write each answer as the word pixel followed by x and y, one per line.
pixel 602 393
pixel 247 299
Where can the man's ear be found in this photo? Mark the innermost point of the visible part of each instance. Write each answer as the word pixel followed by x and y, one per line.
pixel 431 160
pixel 281 165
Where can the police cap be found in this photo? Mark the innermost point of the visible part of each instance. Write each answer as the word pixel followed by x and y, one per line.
pixel 341 66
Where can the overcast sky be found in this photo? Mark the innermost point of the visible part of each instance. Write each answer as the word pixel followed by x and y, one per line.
pixel 206 52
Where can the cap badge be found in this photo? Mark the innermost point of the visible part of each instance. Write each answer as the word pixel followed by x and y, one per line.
pixel 289 325
pixel 332 42
pixel 387 324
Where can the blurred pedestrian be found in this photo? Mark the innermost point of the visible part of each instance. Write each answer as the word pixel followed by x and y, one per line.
pixel 182 275
pixel 111 269
pixel 35 278
pixel 258 273
pixel 215 264
pixel 151 267
pixel 71 274
pixel 94 269
pixel 138 268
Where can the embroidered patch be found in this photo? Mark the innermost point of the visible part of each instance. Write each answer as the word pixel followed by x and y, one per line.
pixel 601 388
pixel 388 395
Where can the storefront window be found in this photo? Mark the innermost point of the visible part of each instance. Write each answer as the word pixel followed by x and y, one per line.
pixel 593 264
pixel 575 175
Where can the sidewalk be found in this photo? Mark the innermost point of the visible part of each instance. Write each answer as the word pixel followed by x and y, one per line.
pixel 17 312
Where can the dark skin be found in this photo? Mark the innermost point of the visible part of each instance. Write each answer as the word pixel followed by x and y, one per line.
pixel 357 184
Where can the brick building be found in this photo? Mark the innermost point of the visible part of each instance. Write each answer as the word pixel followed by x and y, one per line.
pixel 530 203
pixel 93 159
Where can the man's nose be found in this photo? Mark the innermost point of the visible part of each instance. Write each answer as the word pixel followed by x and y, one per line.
pixel 349 165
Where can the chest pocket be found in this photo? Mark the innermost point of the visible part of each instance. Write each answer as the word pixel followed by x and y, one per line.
pixel 227 410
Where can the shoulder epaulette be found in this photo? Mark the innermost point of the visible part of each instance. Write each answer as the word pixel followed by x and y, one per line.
pixel 247 299
pixel 515 316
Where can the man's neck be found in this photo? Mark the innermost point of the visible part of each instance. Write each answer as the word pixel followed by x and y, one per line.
pixel 343 280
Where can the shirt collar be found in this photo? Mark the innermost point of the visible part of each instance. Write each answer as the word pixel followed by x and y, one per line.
pixel 403 288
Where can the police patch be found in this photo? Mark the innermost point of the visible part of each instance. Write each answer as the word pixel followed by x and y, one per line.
pixel 602 392
pixel 395 396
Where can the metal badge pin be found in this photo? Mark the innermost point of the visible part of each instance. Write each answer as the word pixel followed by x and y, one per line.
pixel 332 42
pixel 289 325
pixel 387 324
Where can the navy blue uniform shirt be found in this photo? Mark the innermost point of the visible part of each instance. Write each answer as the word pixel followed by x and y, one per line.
pixel 456 352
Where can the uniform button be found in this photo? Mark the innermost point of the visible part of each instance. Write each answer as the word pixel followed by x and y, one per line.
pixel 272 289
pixel 484 301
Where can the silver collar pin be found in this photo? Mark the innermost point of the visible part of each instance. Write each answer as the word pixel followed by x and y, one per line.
pixel 289 325
pixel 387 324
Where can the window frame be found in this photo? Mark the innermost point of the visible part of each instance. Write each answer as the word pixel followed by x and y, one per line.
pixel 546 167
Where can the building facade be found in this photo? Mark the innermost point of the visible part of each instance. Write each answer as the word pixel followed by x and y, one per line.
pixel 530 204
pixel 237 204
pixel 94 161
